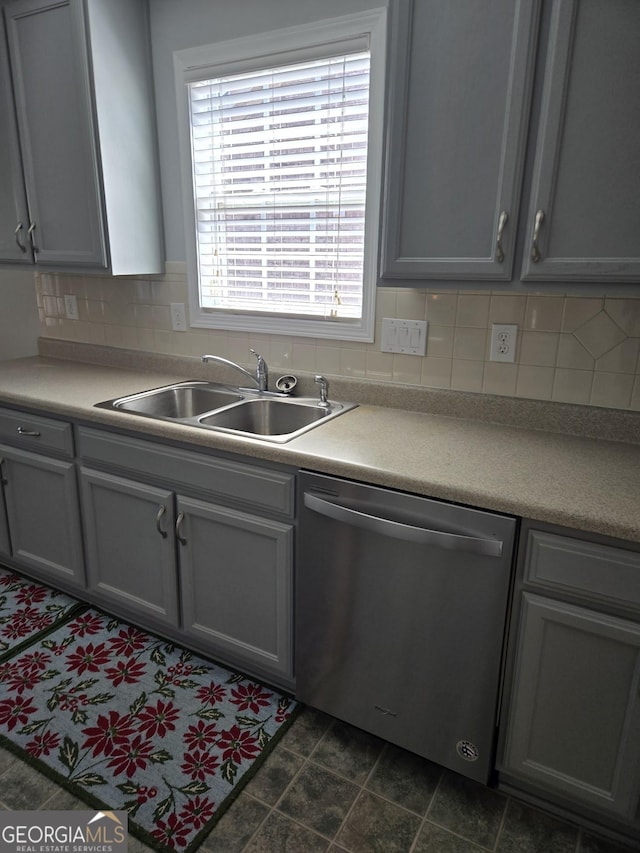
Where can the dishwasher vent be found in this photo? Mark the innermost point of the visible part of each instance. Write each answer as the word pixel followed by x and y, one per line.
pixel 467 750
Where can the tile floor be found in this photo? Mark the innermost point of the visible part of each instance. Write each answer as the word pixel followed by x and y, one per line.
pixel 330 787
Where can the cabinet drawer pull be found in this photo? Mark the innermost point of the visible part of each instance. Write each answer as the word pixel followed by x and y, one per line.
pixel 181 539
pixel 161 512
pixel 29 432
pixel 502 221
pixel 535 251
pixel 21 245
pixel 32 228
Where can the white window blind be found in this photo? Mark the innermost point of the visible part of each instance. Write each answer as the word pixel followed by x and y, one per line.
pixel 279 176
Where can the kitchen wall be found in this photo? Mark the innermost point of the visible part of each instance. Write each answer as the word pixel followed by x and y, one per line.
pixel 19 325
pixel 571 349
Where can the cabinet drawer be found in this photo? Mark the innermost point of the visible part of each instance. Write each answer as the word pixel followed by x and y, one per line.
pixel 599 571
pixel 34 432
pixel 246 483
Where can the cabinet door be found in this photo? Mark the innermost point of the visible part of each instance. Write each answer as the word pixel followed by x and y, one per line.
pixel 236 583
pixel 44 519
pixel 130 545
pixel 586 179
pixel 574 724
pixel 50 71
pixel 14 218
pixel 458 104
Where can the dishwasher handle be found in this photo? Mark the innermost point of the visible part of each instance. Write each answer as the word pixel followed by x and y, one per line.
pixel 406 532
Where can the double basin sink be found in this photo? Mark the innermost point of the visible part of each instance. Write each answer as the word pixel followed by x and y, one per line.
pixel 258 414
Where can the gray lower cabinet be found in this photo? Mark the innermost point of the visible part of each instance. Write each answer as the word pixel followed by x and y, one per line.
pixel 236 583
pixel 129 540
pixel 193 545
pixel 78 152
pixel 43 520
pixel 573 725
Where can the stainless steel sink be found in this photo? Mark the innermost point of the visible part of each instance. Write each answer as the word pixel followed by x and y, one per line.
pixel 266 417
pixel 257 414
pixel 177 402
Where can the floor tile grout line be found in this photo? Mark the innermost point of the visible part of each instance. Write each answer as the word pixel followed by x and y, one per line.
pixel 503 821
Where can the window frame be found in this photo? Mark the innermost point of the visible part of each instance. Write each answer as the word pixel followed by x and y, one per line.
pixel 281 47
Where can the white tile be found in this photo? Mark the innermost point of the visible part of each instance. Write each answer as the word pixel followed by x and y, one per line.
pixel 440 341
pixel 504 308
pixel 353 363
pixel 473 310
pixel 534 382
pixel 305 356
pixel 467 375
pixel 500 378
pixel 626 313
pixel 599 334
pixel 441 308
pixel 612 390
pixel 407 369
pixel 436 372
pixel 379 365
pixel 621 359
pixel 544 313
pixel 538 348
pixel 572 386
pixel 579 309
pixel 572 354
pixel 469 343
pixel 411 305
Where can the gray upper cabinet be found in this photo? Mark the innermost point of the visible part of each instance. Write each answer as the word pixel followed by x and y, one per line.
pixel 586 178
pixel 461 125
pixel 458 110
pixel 77 80
pixel 14 216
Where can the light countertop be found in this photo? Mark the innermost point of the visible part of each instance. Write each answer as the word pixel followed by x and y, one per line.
pixel 584 483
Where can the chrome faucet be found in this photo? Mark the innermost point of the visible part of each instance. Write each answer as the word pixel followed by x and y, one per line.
pixel 323 382
pixel 261 377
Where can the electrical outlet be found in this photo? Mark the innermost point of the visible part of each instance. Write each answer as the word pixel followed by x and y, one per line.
pixel 503 342
pixel 71 307
pixel 178 317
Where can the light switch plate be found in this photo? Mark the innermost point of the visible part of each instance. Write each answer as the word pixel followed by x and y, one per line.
pixel 405 336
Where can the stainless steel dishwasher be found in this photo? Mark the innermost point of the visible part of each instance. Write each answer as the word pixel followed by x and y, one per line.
pixel 401 606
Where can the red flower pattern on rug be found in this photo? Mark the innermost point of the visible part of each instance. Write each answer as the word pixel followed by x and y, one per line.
pixel 27 609
pixel 138 724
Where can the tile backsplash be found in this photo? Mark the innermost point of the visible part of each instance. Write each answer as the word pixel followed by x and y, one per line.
pixel 571 349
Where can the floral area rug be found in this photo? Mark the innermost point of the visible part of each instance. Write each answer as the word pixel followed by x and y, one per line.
pixel 129 721
pixel 28 609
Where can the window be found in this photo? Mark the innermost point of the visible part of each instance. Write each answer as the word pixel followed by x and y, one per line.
pixel 281 165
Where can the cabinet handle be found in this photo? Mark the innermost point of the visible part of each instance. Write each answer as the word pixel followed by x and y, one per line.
pixel 3 479
pixel 32 228
pixel 502 221
pixel 535 251
pixel 179 520
pixel 29 432
pixel 161 512
pixel 19 228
